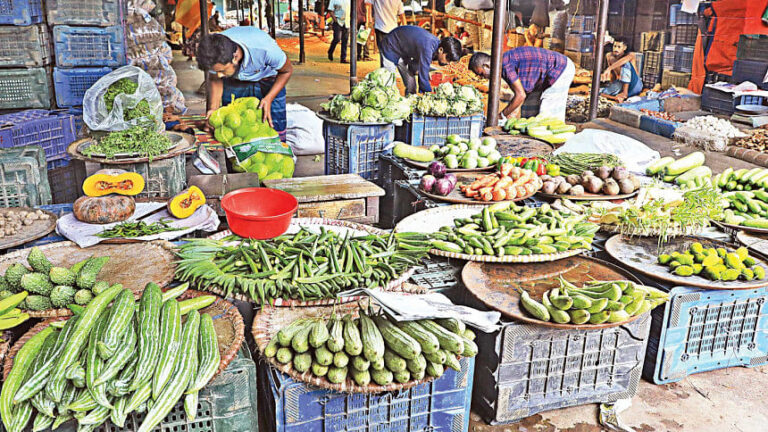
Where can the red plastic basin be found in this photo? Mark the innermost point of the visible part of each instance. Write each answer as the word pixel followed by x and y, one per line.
pixel 259 213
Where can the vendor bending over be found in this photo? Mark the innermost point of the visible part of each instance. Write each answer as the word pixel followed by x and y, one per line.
pixel 526 69
pixel 411 50
pixel 621 72
pixel 246 62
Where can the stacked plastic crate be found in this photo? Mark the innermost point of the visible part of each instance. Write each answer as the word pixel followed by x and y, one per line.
pixel 88 43
pixel 621 20
pixel 25 56
pixel 678 55
pixel 651 16
pixel 652 47
pixel 751 60
pixel 580 41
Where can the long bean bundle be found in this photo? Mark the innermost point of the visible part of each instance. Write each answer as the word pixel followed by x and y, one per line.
pixel 306 265
pixel 577 163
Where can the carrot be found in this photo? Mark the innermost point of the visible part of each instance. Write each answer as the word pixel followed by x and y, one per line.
pixel 505 169
pixel 487 196
pixel 510 192
pixel 502 183
pixel 484 181
pixel 530 188
pixel 521 192
pixel 470 193
pixel 499 194
pixel 524 178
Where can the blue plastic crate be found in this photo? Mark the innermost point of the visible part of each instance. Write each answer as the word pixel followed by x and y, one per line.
pixel 524 369
pixel 658 126
pixel 77 113
pixel 89 46
pixel 751 70
pixel 421 130
pixel 440 405
pixel 71 84
pixel 701 330
pixel 84 12
pixel 21 12
pixel 355 148
pixel 584 43
pixel 52 130
pixel 677 17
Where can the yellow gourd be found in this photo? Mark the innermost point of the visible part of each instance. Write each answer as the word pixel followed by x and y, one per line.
pixel 184 204
pixel 113 181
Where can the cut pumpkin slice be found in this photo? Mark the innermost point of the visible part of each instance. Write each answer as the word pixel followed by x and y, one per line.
pixel 113 181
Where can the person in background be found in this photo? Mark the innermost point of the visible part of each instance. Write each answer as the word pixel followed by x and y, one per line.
pixel 246 62
pixel 411 50
pixel 534 35
pixel 526 69
pixel 340 9
pixel 385 16
pixel 362 49
pixel 214 22
pixel 621 72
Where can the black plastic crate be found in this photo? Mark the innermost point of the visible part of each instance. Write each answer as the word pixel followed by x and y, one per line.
pixel 580 42
pixel 678 17
pixel 408 200
pixel 582 24
pixel 391 170
pixel 622 7
pixel 583 7
pixel 753 47
pixel 722 102
pixel 650 79
pixel 438 273
pixel 751 70
pixel 684 34
pixel 527 368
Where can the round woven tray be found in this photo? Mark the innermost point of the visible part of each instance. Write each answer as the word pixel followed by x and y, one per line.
pixel 270 320
pixel 431 220
pixel 230 331
pixel 5 345
pixel 132 266
pixel 330 224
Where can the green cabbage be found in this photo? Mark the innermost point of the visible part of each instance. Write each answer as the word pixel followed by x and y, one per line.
pixel 398 109
pixel 381 78
pixel 349 111
pixel 376 98
pixel 369 114
pixel 359 92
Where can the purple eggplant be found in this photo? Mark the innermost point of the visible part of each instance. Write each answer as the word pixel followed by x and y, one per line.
pixel 428 183
pixel 437 169
pixel 443 187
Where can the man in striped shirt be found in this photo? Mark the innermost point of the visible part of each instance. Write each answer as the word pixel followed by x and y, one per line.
pixel 528 69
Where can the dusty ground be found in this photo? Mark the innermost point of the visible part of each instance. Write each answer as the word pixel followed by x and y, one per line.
pixel 733 399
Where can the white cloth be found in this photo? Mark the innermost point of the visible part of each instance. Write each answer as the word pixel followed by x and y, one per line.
pixel 385 13
pixel 554 99
pixel 635 155
pixel 304 130
pixel 84 234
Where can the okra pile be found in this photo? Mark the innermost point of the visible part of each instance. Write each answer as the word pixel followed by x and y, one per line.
pixel 717 264
pixel 596 302
pixel 307 265
pixel 372 348
pixel 507 229
pixel 109 361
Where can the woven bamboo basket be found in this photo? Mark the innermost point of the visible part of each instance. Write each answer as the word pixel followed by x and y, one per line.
pixel 230 331
pixel 132 266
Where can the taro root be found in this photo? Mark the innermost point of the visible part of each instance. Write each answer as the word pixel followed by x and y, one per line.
pixel 611 187
pixel 573 179
pixel 549 187
pixel 619 173
pixel 626 186
pixel 592 184
pixel 545 178
pixel 563 188
pixel 635 182
pixel 603 172
pixel 577 190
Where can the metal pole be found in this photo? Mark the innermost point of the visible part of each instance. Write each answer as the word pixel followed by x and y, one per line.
pixel 352 44
pixel 250 12
pixel 261 9
pixel 322 18
pixel 494 92
pixel 302 54
pixel 290 15
pixel 594 93
pixel 203 33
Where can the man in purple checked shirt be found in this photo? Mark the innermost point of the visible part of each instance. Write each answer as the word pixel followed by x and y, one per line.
pixel 527 69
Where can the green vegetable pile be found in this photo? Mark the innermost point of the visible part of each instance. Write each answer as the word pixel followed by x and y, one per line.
pixel 450 100
pixel 109 361
pixel 53 287
pixel 240 122
pixel 127 86
pixel 507 229
pixel 689 171
pixel 305 265
pixel 136 139
pixel 746 196
pixel 372 348
pixel 130 229
pixel 375 99
pixel 714 264
pixel 577 163
pixel 597 302
pixel 467 153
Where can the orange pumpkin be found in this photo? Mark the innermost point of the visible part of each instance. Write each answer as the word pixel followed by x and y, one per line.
pixel 184 204
pixel 103 210
pixel 113 181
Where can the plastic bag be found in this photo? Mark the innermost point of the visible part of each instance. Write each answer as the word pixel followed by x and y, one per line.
pixel 304 132
pixel 96 115
pixel 267 157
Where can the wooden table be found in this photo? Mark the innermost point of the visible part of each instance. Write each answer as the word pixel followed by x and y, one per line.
pixel 345 197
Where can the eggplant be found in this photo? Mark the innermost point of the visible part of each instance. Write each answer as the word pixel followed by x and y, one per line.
pixel 428 183
pixel 437 169
pixel 452 178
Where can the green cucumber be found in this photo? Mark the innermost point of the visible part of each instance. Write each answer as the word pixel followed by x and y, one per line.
pixel 724 177
pixel 692 174
pixel 659 165
pixel 684 164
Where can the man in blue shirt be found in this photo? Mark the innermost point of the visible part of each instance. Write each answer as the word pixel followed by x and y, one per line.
pixel 621 72
pixel 411 50
pixel 246 62
pixel 340 9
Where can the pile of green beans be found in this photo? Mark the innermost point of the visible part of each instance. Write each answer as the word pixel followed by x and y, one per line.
pixel 577 163
pixel 130 229
pixel 304 266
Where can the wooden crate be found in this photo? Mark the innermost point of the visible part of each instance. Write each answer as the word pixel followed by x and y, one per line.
pixel 344 197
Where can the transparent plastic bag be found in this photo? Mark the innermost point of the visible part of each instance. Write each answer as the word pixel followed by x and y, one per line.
pixel 96 115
